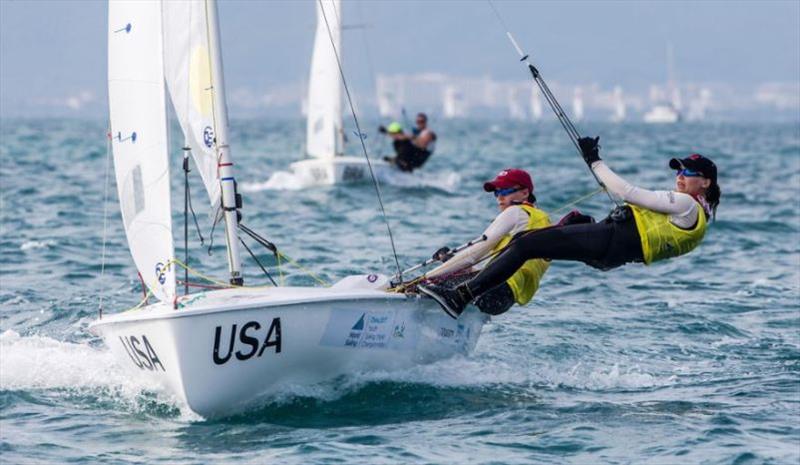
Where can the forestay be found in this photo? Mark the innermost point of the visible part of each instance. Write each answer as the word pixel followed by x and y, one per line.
pixel 324 138
pixel 137 109
pixel 187 59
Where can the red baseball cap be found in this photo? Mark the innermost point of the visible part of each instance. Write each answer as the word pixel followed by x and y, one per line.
pixel 509 177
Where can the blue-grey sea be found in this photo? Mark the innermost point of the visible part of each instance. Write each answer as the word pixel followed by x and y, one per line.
pixel 694 360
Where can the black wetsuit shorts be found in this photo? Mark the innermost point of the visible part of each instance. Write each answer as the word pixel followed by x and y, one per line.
pixel 408 156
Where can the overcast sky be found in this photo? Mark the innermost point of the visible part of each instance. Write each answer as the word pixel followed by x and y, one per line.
pixel 51 51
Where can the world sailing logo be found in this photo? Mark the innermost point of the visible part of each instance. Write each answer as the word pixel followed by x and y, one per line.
pixel 355 332
pixel 161 273
pixel 208 136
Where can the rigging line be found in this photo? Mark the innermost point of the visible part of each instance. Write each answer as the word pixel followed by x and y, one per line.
pixel 105 221
pixel 201 275
pixel 194 217
pixel 258 262
pixel 217 216
pixel 361 138
pixel 278 254
pixel 304 269
pixel 566 123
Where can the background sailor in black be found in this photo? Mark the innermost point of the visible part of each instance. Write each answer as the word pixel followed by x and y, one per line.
pixel 411 151
pixel 616 240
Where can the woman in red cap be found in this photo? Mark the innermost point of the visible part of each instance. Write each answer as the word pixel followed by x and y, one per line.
pixel 652 226
pixel 513 190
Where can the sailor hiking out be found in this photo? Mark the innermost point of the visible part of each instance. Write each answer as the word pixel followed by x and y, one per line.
pixel 650 226
pixel 513 189
pixel 411 150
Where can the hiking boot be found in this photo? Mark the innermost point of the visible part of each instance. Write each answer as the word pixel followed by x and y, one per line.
pixel 452 301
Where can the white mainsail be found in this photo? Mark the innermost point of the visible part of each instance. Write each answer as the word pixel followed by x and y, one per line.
pixel 324 137
pixel 188 69
pixel 137 109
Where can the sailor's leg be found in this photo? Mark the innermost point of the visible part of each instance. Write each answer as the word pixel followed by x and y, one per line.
pixel 580 242
pixel 497 300
pixel 419 157
pixel 404 152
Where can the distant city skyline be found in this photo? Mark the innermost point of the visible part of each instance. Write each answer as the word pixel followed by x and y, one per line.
pixel 53 53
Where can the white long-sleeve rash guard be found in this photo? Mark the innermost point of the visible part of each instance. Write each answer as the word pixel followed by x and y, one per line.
pixel 510 221
pixel 681 208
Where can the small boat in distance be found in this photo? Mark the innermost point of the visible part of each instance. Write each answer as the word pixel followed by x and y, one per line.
pixel 662 114
pixel 325 136
pixel 668 109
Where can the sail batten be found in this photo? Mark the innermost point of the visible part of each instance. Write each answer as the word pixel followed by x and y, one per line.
pixel 324 126
pixel 137 110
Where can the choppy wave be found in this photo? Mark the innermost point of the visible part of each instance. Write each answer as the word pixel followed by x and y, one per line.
pixel 30 245
pixel 695 360
pixel 446 181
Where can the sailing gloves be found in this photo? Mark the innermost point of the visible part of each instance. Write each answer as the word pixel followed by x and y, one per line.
pixel 443 254
pixel 589 149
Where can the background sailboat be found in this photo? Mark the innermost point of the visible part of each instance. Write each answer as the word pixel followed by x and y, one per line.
pixel 220 351
pixel 325 131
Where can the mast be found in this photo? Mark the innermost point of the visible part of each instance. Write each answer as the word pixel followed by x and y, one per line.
pixel 231 200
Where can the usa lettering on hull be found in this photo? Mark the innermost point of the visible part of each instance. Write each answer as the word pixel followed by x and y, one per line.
pixel 142 353
pixel 246 341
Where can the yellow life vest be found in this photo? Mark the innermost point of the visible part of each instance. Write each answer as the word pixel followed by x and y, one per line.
pixel 661 239
pixel 525 282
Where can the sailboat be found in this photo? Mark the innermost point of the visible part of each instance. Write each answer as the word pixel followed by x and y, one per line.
pixel 668 109
pixel 221 351
pixel 325 135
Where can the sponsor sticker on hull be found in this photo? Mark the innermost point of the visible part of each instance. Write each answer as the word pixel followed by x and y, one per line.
pixel 359 329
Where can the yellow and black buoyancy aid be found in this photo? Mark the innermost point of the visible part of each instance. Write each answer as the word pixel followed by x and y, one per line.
pixel 661 239
pixel 525 282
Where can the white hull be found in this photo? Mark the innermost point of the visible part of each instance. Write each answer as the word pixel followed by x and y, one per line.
pixel 221 351
pixel 662 114
pixel 338 170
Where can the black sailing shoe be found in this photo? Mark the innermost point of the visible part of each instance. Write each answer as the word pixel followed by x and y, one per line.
pixel 452 301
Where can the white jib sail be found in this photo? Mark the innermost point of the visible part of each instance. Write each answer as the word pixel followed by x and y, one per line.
pixel 324 127
pixel 137 109
pixel 187 59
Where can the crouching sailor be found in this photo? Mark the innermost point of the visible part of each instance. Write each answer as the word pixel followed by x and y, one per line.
pixel 513 190
pixel 411 151
pixel 652 226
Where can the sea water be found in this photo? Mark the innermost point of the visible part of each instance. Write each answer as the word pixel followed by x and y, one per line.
pixel 694 360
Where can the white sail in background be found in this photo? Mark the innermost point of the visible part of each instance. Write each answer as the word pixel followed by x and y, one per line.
pixel 187 60
pixel 324 128
pixel 137 108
